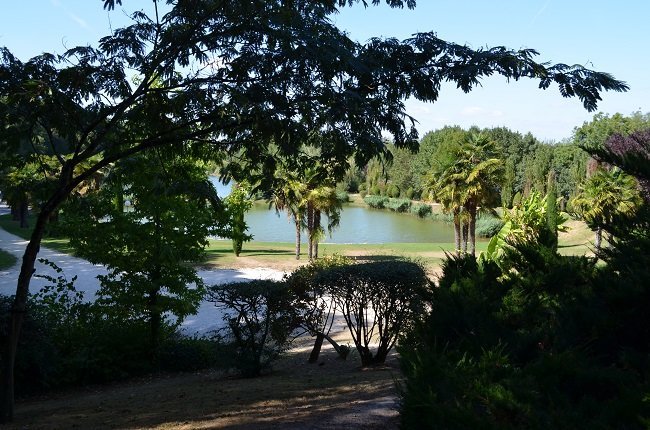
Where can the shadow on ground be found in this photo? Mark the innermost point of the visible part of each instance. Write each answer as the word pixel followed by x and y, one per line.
pixel 331 394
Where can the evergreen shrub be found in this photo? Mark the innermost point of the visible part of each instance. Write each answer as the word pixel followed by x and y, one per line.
pixel 376 202
pixel 488 225
pixel 399 205
pixel 421 209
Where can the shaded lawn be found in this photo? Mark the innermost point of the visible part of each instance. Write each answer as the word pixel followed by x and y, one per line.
pixel 52 242
pixel 332 394
pixel 7 260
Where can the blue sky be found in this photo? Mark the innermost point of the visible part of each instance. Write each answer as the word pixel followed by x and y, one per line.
pixel 598 34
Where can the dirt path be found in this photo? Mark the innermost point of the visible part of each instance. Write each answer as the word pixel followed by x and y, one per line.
pixel 332 394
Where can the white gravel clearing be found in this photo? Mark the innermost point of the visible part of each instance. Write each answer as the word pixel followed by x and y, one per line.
pixel 207 318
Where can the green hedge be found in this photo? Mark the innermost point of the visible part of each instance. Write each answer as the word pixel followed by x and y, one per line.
pixel 399 205
pixel 488 225
pixel 421 209
pixel 376 202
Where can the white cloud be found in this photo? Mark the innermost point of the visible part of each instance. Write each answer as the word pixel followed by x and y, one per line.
pixel 82 23
pixel 476 111
pixel 539 12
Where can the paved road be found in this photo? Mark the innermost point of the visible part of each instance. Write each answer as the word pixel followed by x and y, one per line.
pixel 208 318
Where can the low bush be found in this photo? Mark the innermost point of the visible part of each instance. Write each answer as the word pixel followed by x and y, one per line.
pixel 187 354
pixel 378 300
pixel 67 342
pixel 422 210
pixel 442 217
pixel 342 196
pixel 314 302
pixel 375 201
pixel 260 317
pixel 488 225
pixel 398 205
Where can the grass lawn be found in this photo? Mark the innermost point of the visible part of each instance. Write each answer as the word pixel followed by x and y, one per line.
pixel 281 255
pixel 7 260
pixel 13 227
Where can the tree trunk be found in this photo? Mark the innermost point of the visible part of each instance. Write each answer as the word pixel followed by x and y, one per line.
pixel 472 229
pixel 24 211
pixel 342 352
pixel 599 238
pixel 316 231
pixel 465 229
pixel 155 324
pixel 297 220
pixel 367 359
pixel 457 230
pixel 382 353
pixel 315 352
pixel 17 316
pixel 19 306
pixel 310 227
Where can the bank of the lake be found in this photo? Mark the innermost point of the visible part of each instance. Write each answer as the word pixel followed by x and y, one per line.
pixel 281 255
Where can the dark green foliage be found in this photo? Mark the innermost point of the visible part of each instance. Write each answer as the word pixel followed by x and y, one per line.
pixel 173 210
pixel 557 343
pixel 399 205
pixel 552 213
pixel 409 193
pixel 342 196
pixel 403 174
pixel 353 181
pixel 507 188
pixel 488 225
pixel 421 209
pixel 313 300
pixel 392 191
pixel 378 300
pixel 260 317
pixel 375 201
pixel 77 343
pixel 186 354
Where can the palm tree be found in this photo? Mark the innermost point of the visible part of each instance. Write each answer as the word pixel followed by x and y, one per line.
pixel 605 196
pixel 289 195
pixel 467 183
pixel 447 189
pixel 319 200
pixel 482 171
